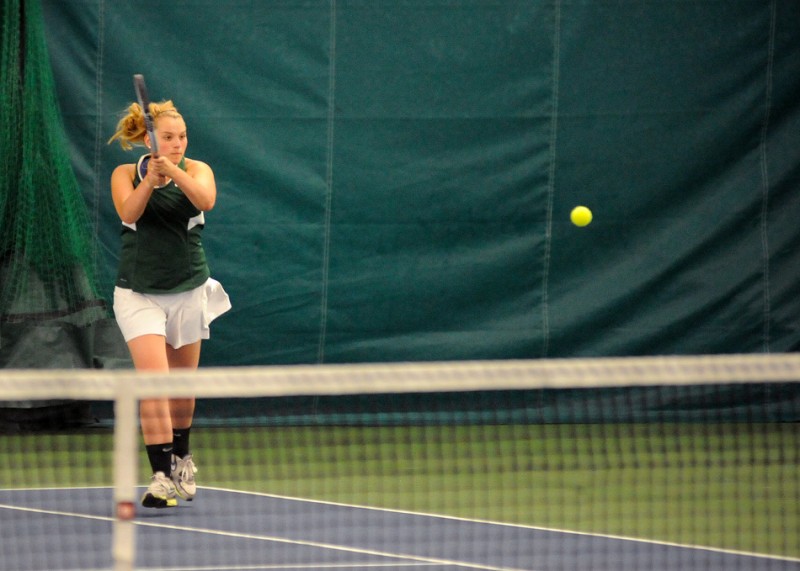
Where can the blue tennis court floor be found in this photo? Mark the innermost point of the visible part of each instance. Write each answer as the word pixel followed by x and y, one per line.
pixel 226 530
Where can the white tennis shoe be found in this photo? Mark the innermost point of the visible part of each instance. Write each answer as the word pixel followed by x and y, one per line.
pixel 160 493
pixel 183 471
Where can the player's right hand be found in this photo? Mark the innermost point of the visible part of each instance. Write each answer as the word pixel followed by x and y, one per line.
pixel 153 175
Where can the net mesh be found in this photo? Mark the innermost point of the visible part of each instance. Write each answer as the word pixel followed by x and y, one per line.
pixel 46 256
pixel 637 463
pixel 49 295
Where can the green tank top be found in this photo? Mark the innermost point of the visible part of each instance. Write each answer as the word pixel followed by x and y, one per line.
pixel 162 252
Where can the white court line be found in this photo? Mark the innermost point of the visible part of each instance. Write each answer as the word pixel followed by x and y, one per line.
pixel 420 514
pixel 331 546
pixel 522 526
pixel 291 566
pixel 272 567
pixel 418 560
pixel 55 512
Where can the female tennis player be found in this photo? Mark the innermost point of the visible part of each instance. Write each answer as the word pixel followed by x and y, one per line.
pixel 164 299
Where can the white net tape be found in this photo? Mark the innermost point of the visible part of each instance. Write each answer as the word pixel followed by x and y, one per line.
pixel 403 377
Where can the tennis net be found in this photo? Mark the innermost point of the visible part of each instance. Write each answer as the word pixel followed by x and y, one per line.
pixel 617 463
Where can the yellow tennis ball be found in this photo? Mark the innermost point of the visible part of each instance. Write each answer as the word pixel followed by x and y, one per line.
pixel 580 216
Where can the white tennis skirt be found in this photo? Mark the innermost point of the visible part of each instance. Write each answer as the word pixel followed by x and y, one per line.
pixel 182 318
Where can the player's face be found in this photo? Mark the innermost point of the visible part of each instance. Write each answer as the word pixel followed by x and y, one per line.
pixel 172 140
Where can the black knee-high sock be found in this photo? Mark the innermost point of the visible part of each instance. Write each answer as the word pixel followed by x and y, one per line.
pixel 160 456
pixel 180 441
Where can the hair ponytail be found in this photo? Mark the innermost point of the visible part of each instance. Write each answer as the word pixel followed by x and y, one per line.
pixel 131 130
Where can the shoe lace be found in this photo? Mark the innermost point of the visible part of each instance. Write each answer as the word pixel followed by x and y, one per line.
pixel 186 468
pixel 161 485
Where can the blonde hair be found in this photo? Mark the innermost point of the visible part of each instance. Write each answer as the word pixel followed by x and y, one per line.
pixel 131 129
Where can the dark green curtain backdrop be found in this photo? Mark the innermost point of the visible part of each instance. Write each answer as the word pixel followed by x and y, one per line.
pixel 395 176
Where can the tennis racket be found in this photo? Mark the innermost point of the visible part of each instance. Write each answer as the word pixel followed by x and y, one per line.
pixel 144 101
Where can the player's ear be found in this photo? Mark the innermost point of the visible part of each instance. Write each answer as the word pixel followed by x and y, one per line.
pixel 147 140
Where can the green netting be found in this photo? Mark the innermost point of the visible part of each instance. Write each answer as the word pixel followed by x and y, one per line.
pixel 51 311
pixel 46 259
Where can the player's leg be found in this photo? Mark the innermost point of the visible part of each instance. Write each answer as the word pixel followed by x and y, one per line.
pixel 149 353
pixel 182 414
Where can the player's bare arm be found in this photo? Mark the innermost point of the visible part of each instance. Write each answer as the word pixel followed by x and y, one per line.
pixel 130 202
pixel 197 182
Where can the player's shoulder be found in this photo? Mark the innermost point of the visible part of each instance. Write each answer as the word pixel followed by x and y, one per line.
pixel 193 166
pixel 128 169
pixel 190 163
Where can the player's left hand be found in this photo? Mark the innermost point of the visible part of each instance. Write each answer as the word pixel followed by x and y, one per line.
pixel 161 166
